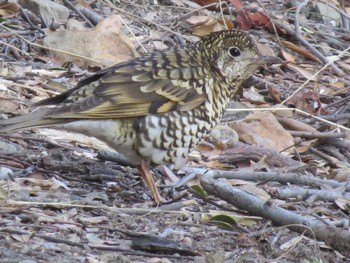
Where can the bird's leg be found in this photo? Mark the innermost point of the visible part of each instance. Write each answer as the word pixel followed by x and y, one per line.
pixel 148 178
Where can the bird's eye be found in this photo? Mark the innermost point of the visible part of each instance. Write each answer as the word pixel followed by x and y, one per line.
pixel 234 52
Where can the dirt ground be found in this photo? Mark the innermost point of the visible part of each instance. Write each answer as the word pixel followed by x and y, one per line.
pixel 64 199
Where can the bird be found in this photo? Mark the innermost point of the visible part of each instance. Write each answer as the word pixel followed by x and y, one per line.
pixel 156 108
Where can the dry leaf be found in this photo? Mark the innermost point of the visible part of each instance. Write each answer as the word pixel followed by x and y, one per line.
pixel 300 50
pixel 275 94
pixel 105 44
pixel 159 45
pixel 203 25
pixel 343 203
pixel 342 175
pixel 291 243
pixel 73 138
pixel 347 10
pixel 237 4
pixel 10 106
pixel 291 123
pixel 256 191
pixel 263 129
pixel 226 22
pixel 338 84
pixel 287 56
pixel 307 101
pixel 259 19
pixel 253 96
pixel 209 2
pixel 344 64
pixel 246 20
pixel 306 73
pixel 265 50
pixel 8 9
pixel 200 20
pixel 304 146
pixel 203 30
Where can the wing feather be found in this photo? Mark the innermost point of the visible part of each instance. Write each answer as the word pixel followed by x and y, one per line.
pixel 135 89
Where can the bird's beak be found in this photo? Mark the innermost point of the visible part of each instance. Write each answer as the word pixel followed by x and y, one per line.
pixel 270 60
pixel 265 60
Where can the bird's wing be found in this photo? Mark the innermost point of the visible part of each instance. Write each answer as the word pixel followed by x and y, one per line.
pixel 155 84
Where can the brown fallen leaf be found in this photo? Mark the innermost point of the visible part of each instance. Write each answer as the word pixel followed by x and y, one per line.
pixel 304 146
pixel 8 9
pixel 275 94
pixel 265 50
pixel 287 56
pixel 302 51
pixel 343 204
pixel 105 44
pixel 203 25
pixel 291 123
pixel 302 70
pixel 308 101
pixel 263 129
pixel 259 19
pixel 237 4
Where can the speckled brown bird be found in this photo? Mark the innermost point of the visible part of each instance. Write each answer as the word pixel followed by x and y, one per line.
pixel 156 108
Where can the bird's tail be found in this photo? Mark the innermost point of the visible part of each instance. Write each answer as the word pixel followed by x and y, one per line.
pixel 30 120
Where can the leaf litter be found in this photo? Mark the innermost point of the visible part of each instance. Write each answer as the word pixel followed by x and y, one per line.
pixel 61 201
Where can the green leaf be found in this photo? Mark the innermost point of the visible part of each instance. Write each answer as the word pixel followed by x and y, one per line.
pixel 223 221
pixel 199 190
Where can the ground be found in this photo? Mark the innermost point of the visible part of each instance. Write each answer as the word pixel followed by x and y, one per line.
pixel 285 196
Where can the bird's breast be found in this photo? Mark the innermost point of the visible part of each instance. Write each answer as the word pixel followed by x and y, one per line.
pixel 170 137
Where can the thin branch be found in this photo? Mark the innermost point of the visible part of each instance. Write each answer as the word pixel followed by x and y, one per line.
pixel 335 237
pixel 283 178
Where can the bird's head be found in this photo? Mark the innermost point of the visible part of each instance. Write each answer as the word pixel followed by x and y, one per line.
pixel 234 55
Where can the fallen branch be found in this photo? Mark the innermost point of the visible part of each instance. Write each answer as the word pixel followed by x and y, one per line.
pixel 297 192
pixel 284 178
pixel 318 135
pixel 334 237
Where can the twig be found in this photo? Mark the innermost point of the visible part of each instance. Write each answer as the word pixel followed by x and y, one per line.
pixel 91 15
pixel 326 157
pixel 26 17
pixel 318 135
pixel 128 211
pixel 190 13
pixel 336 117
pixel 345 144
pixel 109 155
pixel 45 237
pixel 137 18
pixel 14 48
pixel 283 178
pixel 132 33
pixel 308 45
pixel 297 192
pixel 272 23
pixel 71 6
pixel 335 152
pixel 84 246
